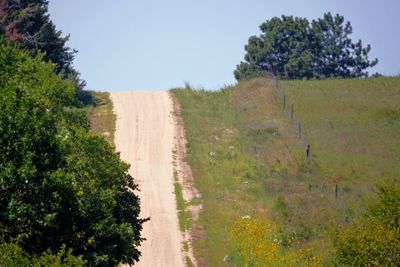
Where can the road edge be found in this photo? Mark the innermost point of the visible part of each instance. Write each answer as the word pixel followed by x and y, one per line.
pixel 191 196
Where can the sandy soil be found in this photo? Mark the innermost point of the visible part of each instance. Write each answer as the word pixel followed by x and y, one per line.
pixel 189 191
pixel 145 137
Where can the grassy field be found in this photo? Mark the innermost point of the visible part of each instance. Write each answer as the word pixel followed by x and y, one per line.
pixel 247 159
pixel 102 117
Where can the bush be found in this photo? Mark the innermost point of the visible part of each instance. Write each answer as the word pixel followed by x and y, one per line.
pixel 13 255
pixel 374 239
pixel 259 243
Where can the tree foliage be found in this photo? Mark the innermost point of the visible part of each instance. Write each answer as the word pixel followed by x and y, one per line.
pixel 374 239
pixel 27 23
pixel 293 48
pixel 13 255
pixel 59 184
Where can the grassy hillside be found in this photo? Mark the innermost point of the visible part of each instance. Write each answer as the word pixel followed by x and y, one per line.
pixel 247 159
pixel 354 128
pixel 238 142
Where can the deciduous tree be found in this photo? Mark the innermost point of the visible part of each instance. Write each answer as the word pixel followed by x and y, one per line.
pixel 59 184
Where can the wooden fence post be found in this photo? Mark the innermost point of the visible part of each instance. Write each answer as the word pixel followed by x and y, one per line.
pixel 299 130
pixel 336 192
pixel 292 111
pixel 284 102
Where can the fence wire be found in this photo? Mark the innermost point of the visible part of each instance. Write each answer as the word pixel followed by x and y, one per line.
pixel 289 110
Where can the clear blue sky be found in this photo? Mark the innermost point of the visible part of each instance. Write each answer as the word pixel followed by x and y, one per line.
pixel 156 45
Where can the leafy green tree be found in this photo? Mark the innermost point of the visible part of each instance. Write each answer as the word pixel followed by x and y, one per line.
pixel 28 24
pixel 59 184
pixel 292 48
pixel 374 239
pixel 35 191
pixel 13 255
pixel 109 230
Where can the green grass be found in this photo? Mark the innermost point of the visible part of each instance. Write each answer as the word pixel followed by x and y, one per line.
pixel 184 215
pixel 102 117
pixel 353 127
pixel 234 135
pixel 189 262
pixel 246 157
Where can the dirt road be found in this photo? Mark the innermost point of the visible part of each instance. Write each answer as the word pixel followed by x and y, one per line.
pixel 145 137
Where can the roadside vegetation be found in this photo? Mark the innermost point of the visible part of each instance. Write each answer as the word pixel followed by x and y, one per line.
pixel 231 134
pixel 102 117
pixel 184 215
pixel 248 162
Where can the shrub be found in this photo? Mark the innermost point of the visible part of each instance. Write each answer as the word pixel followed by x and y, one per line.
pixel 374 239
pixel 13 255
pixel 259 243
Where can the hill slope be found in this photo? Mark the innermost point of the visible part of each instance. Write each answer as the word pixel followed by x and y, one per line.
pixel 246 157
